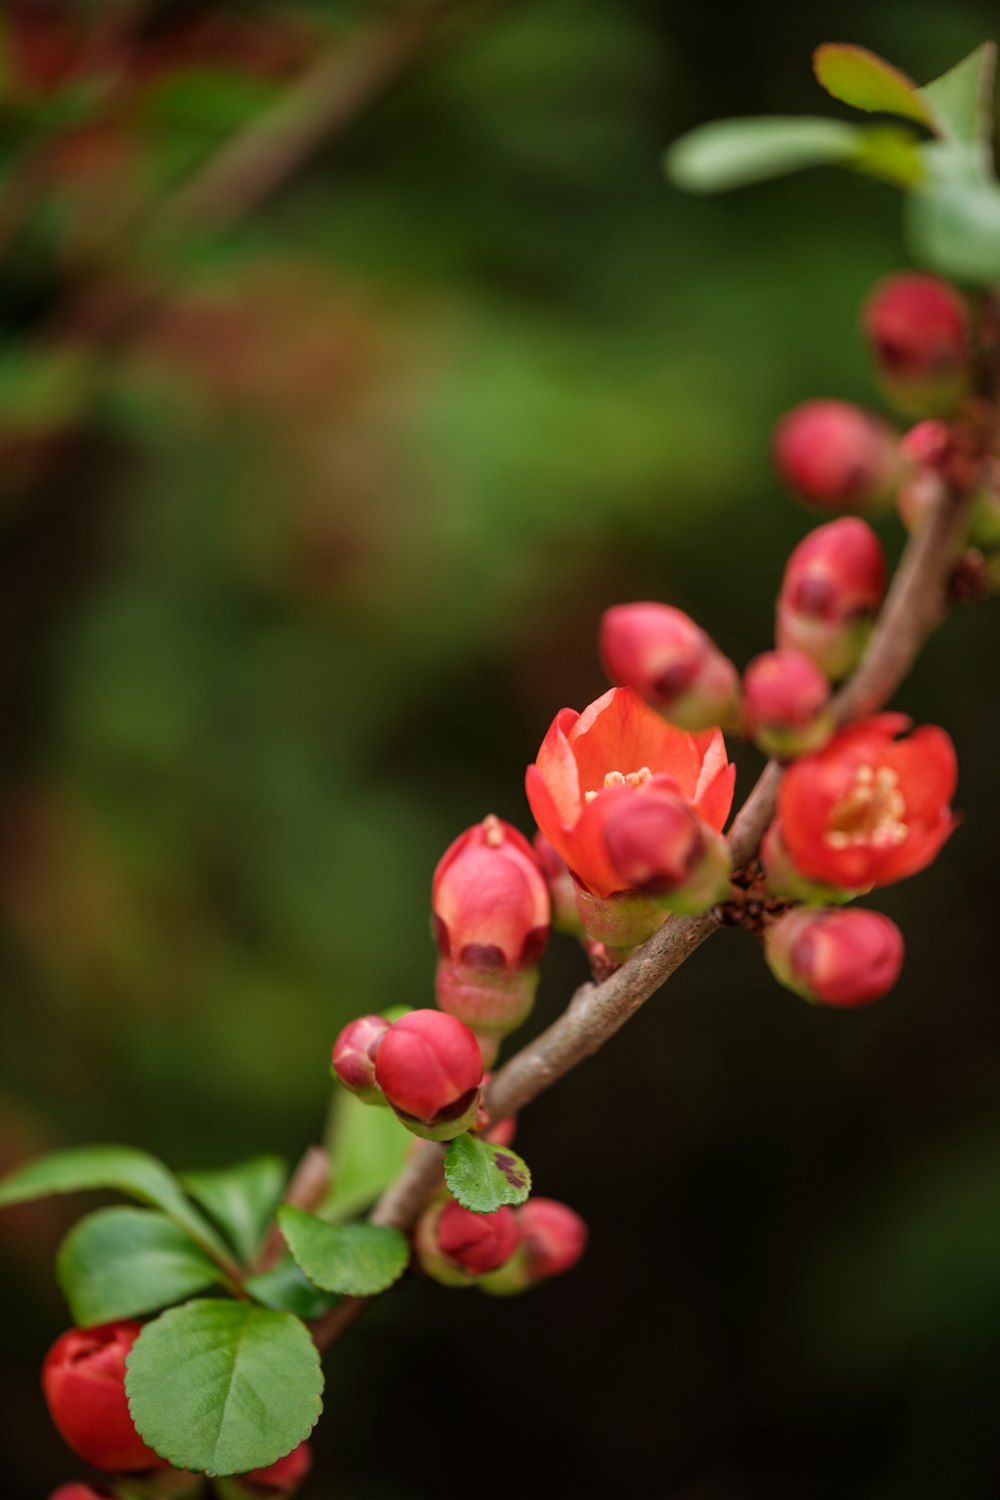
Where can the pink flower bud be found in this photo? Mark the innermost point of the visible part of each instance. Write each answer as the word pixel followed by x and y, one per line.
pixel 835 956
pixel 661 653
pixel 786 703
pixel 457 1247
pixel 833 585
pixel 83 1379
pixel 661 847
pixel 918 330
pixel 836 455
pixel 354 1057
pixel 553 1238
pixel 283 1477
pixel 430 1069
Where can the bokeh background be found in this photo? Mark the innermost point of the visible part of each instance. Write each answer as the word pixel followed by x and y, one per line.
pixel 310 506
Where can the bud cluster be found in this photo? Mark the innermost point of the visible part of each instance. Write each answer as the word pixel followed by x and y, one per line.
pixel 505 1252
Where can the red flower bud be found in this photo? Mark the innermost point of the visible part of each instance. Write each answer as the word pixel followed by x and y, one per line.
pixel 843 956
pixel 491 921
pixel 430 1068
pixel 918 329
pixel 836 455
pixel 354 1057
pixel 668 659
pixel 456 1247
pixel 553 1238
pixel 660 846
pixel 283 1477
pixel 83 1379
pixel 833 585
pixel 786 703
pixel 869 809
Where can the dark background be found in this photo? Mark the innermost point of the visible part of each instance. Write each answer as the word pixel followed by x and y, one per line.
pixel 293 577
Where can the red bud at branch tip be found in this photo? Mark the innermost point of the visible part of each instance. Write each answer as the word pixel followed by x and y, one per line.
pixel 457 1247
pixel 918 330
pixel 831 591
pixel 430 1069
pixel 83 1379
pixel 839 957
pixel 553 1238
pixel 786 703
pixel 837 456
pixel 668 659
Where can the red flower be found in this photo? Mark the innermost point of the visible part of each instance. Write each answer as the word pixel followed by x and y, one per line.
pixel 869 809
pixel 618 742
pixel 84 1383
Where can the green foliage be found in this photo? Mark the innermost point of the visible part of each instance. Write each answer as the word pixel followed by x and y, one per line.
pixel 240 1200
pixel 368 1147
pixel 484 1177
pixel 358 1260
pixel 962 98
pixel 125 1262
pixel 220 1387
pixel 287 1289
pixel 733 153
pixel 121 1168
pixel 865 81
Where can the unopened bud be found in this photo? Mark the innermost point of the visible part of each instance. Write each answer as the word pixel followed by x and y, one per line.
pixel 837 456
pixel 832 587
pixel 282 1477
pixel 660 847
pixel 918 330
pixel 457 1247
pixel 661 653
pixel 786 703
pixel 430 1069
pixel 83 1379
pixel 354 1057
pixel 923 485
pixel 835 957
pixel 553 1238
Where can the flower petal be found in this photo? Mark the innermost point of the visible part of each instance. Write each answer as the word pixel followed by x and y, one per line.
pixel 619 732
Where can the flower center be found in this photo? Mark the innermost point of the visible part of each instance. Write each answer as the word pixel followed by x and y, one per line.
pixel 871 813
pixel 616 778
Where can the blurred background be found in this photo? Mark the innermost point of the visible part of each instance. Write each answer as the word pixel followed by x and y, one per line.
pixel 322 448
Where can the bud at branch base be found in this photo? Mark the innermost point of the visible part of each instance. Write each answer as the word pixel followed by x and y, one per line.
pixel 491 922
pixel 671 662
pixel 786 703
pixel 430 1069
pixel 840 957
pixel 83 1379
pixel 832 588
pixel 553 1238
pixel 918 330
pixel 457 1247
pixel 353 1061
pixel 837 456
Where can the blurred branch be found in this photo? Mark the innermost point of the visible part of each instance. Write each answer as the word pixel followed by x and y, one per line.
pixel 914 605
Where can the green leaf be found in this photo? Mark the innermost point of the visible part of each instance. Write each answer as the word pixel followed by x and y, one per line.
pixel 240 1199
pixel 286 1289
pixel 123 1262
pixel 892 153
pixel 368 1147
pixel 483 1177
pixel 962 99
pixel 121 1168
pixel 220 1387
pixel 359 1260
pixel 954 229
pixel 866 81
pixel 732 153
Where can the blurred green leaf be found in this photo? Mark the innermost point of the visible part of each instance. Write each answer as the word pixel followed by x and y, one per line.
pixel 733 153
pixel 866 81
pixel 358 1260
pixel 368 1147
pixel 962 98
pixel 954 229
pixel 220 1387
pixel 287 1289
pixel 124 1262
pixel 891 153
pixel 483 1177
pixel 240 1199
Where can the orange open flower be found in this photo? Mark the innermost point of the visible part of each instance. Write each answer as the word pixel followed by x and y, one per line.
pixel 618 742
pixel 869 809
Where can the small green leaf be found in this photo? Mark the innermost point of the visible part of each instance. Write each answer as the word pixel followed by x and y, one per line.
pixel 954 229
pixel 483 1177
pixel 892 153
pixel 123 1262
pixel 240 1199
pixel 121 1168
pixel 866 81
pixel 220 1387
pixel 962 99
pixel 359 1260
pixel 732 153
pixel 286 1289
pixel 367 1149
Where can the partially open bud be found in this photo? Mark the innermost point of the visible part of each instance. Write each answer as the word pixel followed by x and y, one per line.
pixel 553 1238
pixel 661 848
pixel 918 330
pixel 786 703
pixel 491 922
pixel 281 1478
pixel 835 957
pixel 661 653
pixel 457 1247
pixel 354 1057
pixel 837 456
pixel 430 1069
pixel 83 1379
pixel 833 585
